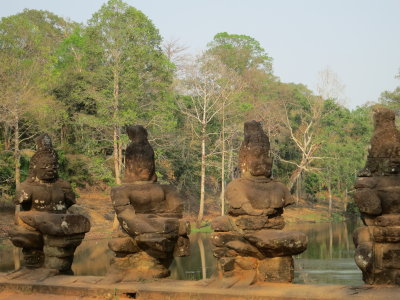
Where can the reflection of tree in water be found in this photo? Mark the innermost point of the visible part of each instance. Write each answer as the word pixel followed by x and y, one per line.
pixel 328 240
pixel 194 267
pixel 329 257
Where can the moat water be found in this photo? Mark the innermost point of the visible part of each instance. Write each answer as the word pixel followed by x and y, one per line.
pixel 327 260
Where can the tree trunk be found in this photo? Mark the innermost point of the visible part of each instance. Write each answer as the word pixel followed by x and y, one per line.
pixel 330 241
pixel 115 155
pixel 230 163
pixel 116 129
pixel 222 196
pixel 203 174
pixel 293 178
pixel 330 198
pixel 120 158
pixel 17 153
pixel 7 137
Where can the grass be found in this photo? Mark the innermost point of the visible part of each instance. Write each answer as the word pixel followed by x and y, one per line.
pixel 205 229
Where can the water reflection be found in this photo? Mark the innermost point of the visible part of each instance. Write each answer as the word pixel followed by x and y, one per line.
pixel 327 260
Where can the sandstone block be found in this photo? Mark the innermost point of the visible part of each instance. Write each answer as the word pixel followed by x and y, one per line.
pixel 251 222
pixel 244 249
pixel 62 264
pixel 59 251
pixel 123 244
pixel 276 269
pixel 386 234
pixel 222 224
pixel 246 263
pixel 219 239
pixel 224 252
pixel 56 224
pixel 23 238
pixel 142 224
pixel 278 243
pixel 390 199
pixel 63 241
pixel 368 201
pixel 388 220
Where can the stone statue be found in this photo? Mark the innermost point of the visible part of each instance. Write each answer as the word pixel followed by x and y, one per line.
pixel 149 214
pixel 377 195
pixel 250 245
pixel 46 232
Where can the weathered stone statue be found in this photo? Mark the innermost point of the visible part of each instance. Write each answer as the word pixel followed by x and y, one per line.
pixel 149 214
pixel 46 232
pixel 250 245
pixel 377 196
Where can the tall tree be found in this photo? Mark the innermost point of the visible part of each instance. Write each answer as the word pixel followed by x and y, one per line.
pixel 129 69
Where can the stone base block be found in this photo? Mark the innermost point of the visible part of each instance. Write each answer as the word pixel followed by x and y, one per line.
pixel 276 269
pixel 249 270
pixel 138 267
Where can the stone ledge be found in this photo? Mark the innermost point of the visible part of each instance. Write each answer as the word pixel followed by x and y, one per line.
pixel 93 286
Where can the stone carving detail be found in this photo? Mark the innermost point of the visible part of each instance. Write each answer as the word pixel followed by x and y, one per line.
pixel 250 245
pixel 46 232
pixel 377 195
pixel 149 213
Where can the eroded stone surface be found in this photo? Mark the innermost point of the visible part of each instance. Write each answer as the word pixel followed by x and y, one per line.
pixel 152 231
pixel 250 245
pixel 377 196
pixel 47 233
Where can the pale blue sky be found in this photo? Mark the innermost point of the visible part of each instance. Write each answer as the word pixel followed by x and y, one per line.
pixel 357 39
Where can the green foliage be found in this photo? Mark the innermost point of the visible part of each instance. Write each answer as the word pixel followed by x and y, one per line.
pixel 240 52
pixel 202 229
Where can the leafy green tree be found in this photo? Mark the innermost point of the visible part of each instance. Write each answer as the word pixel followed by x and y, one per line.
pixel 130 70
pixel 240 53
pixel 27 43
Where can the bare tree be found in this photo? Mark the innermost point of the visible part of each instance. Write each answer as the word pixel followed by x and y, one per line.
pixel 176 53
pixel 304 137
pixel 329 86
pixel 208 87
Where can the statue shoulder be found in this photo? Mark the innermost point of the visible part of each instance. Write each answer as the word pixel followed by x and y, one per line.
pixel 63 184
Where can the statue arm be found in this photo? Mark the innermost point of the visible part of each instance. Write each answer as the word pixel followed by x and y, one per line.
pixel 174 202
pixel 122 204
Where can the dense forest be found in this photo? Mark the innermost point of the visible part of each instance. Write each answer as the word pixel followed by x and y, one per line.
pixel 83 83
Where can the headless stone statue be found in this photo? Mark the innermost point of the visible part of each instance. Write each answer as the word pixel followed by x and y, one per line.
pixel 149 214
pixel 250 245
pixel 46 232
pixel 377 196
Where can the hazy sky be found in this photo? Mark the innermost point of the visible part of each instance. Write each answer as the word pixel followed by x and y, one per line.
pixel 357 39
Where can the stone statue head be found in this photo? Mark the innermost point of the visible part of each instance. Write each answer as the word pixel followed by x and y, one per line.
pixel 384 153
pixel 254 158
pixel 383 117
pixel 44 163
pixel 139 156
